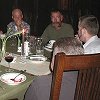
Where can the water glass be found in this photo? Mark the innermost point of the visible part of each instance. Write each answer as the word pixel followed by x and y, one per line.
pixel 39 48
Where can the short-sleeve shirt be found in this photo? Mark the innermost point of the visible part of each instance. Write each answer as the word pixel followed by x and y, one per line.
pixel 14 28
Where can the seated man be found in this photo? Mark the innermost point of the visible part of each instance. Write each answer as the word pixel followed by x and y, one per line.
pixel 40 87
pixel 17 24
pixel 57 28
pixel 87 33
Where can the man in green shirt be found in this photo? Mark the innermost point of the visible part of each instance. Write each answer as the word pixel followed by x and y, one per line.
pixel 57 28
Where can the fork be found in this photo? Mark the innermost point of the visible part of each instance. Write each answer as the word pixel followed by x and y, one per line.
pixel 21 72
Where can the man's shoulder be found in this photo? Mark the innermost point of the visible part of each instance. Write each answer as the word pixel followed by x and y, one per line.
pixel 66 24
pixel 94 44
pixel 49 25
pixel 93 47
pixel 11 23
pixel 97 42
pixel 25 23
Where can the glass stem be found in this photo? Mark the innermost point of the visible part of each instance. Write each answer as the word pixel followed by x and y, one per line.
pixel 9 65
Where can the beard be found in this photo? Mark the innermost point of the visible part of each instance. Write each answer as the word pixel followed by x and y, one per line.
pixel 57 24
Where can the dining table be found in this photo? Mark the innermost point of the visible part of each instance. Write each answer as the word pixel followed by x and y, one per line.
pixel 33 69
pixel 8 92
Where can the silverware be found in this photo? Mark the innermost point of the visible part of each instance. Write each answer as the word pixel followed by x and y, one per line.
pixel 21 72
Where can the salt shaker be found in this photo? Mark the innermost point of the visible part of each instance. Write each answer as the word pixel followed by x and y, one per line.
pixel 26 48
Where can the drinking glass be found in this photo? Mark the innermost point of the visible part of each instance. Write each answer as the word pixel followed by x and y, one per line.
pixel 39 48
pixel 9 58
pixel 13 41
pixel 22 58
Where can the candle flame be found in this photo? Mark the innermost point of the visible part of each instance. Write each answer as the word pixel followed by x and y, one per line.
pixel 23 31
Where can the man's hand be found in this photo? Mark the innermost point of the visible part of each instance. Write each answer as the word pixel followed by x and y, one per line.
pixel 77 37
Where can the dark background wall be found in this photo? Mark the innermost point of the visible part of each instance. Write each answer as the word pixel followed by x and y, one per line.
pixel 36 12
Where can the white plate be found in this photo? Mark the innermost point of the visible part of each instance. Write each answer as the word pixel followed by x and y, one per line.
pixel 37 58
pixel 6 78
pixel 48 49
pixel 49 46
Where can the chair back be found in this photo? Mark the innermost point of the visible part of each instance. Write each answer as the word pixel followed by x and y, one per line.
pixel 87 87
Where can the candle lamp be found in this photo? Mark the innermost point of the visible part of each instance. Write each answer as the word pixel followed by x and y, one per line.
pixel 23 38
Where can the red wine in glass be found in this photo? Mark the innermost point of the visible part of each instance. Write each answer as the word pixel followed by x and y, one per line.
pixel 9 59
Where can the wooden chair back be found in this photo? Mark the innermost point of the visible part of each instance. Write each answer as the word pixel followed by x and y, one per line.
pixel 88 81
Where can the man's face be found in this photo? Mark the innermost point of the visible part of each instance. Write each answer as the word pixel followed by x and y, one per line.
pixel 56 19
pixel 81 34
pixel 17 17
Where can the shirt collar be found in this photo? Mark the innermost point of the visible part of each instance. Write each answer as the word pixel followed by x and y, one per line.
pixel 90 40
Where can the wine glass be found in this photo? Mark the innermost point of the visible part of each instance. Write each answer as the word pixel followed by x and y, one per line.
pixel 9 58
pixel 39 48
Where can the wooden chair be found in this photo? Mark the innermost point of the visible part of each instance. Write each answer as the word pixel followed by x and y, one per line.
pixel 88 82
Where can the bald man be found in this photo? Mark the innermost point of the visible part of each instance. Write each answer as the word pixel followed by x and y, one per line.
pixel 18 24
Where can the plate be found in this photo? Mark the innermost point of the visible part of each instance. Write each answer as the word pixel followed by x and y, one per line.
pixel 48 49
pixel 37 58
pixel 6 78
pixel 49 46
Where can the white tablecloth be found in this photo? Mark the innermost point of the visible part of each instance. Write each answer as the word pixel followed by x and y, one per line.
pixel 35 68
